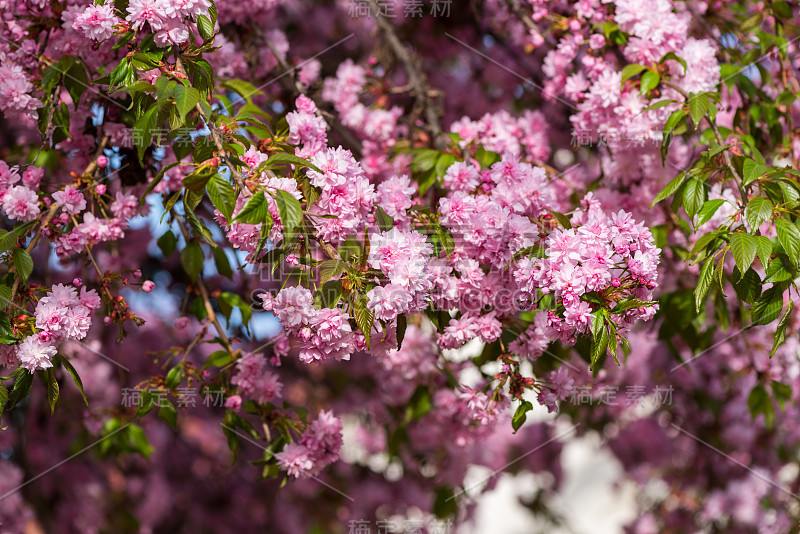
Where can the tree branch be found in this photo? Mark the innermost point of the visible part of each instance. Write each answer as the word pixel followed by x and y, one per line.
pixel 423 93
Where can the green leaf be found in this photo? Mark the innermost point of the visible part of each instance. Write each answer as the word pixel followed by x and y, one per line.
pixel 694 195
pixel 782 392
pixel 562 219
pixel 419 404
pixel 330 293
pixel 198 226
pixel 753 171
pixel 385 222
pixel 521 415
pixel 245 89
pixel 175 376
pixel 703 283
pixel 448 243
pixel 196 181
pixel 364 317
pixel 789 237
pixel 192 260
pixel 234 300
pixel 764 249
pixel 708 210
pixel 599 344
pixel 155 181
pixel 758 211
pixel 74 374
pixel 284 158
pixel 52 389
pixel 747 286
pixel 632 303
pixel 137 440
pixel 222 195
pixel 255 211
pixel 698 107
pixel 205 27
pixel 629 71
pixel 331 269
pixel 23 263
pixel 3 397
pixel 744 248
pixel 780 332
pixel 649 81
pixel 219 358
pixel 222 263
pixel 759 403
pixel 767 307
pixel 5 296
pixel 290 211
pixel 186 98
pixel 143 130
pixel 76 81
pixel 168 413
pixel 22 386
pixel 670 189
pixel 443 162
pixel 778 271
pixel 673 55
pixel 167 243
pixel 402 324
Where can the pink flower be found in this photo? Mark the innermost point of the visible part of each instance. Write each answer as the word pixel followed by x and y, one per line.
pixel 89 298
pixel 71 200
pixel 125 206
pixel 148 286
pixel 307 128
pixel 32 176
pixel 461 176
pixel 388 302
pixel 97 22
pixel 181 323
pixel 21 203
pixel 295 460
pixel 458 332
pixel 34 354
pixel 234 402
pixel 146 11
pixel 294 306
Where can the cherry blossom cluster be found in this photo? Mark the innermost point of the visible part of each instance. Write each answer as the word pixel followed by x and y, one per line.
pixel 254 381
pixel 377 126
pixel 61 315
pixel 165 18
pixel 611 256
pixel 18 193
pixel 307 128
pixel 523 135
pixel 323 333
pixel 317 448
pixel 346 194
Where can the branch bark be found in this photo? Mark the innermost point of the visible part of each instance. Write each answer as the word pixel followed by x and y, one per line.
pixel 424 94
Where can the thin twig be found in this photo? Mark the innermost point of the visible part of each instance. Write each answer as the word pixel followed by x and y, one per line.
pixel 51 212
pixel 237 176
pixel 212 316
pixel 718 136
pixel 423 93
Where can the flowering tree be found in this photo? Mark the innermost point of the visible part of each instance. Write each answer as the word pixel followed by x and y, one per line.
pixel 356 248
